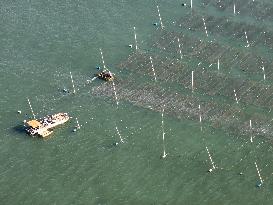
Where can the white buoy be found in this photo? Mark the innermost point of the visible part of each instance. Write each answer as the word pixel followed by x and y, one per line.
pixel 78 124
pixel 102 59
pixel 74 91
pixel 200 117
pixel 151 60
pixel 192 85
pixel 135 37
pixel 259 174
pixel 205 27
pixel 34 117
pixel 160 20
pixel 263 72
pixel 211 161
pixel 121 140
pixel 246 40
pixel 179 46
pixel 235 97
pixel 250 126
pixel 164 155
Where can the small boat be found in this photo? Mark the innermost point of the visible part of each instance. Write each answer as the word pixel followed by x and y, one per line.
pixel 43 127
pixel 105 75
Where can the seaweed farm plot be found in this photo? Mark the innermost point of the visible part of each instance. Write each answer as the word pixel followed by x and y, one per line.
pixel 229 117
pixel 164 68
pixel 206 81
pixel 216 62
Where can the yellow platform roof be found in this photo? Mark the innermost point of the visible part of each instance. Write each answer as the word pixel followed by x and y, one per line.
pixel 33 123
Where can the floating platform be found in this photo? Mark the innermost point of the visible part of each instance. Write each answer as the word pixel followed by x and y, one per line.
pixel 43 127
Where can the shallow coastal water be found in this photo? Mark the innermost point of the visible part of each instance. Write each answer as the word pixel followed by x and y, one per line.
pixel 42 41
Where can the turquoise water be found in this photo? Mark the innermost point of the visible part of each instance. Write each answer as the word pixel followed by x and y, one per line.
pixel 41 42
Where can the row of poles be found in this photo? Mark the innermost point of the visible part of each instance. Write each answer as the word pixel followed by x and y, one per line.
pixel 213 166
pixel 114 89
pixel 236 99
pixel 164 154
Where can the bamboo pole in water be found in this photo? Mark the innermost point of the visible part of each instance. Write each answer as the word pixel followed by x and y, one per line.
pixel 160 19
pixel 78 124
pixel 258 172
pixel 205 27
pixel 179 48
pixel 211 161
pixel 115 92
pixel 135 38
pixel 250 125
pixel 235 97
pixel 74 91
pixel 151 60
pixel 192 84
pixel 247 40
pixel 263 72
pixel 200 117
pixel 164 155
pixel 121 140
pixel 102 59
pixel 31 108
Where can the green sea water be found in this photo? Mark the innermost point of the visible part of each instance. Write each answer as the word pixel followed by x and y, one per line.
pixel 41 42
